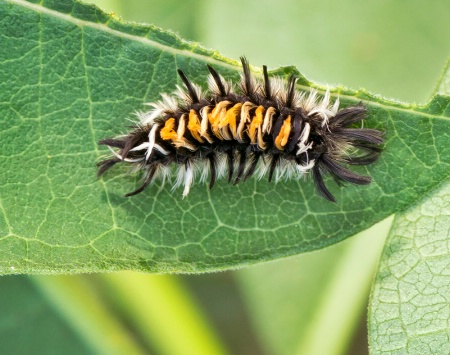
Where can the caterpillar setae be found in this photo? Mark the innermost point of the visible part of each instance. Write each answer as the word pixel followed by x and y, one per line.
pixel 263 128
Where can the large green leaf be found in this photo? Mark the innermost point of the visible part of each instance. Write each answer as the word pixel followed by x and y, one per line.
pixel 71 75
pixel 409 310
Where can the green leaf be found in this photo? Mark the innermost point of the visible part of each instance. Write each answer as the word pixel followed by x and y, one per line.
pixel 409 310
pixel 71 75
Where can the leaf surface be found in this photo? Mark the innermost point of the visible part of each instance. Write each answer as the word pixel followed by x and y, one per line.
pixel 410 302
pixel 71 75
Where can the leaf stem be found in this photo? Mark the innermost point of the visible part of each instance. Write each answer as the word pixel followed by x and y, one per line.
pixel 76 301
pixel 163 312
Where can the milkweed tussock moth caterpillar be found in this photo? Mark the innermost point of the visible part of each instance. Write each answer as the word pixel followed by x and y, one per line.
pixel 262 128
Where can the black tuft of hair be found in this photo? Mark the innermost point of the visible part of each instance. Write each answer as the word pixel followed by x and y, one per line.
pixel 191 91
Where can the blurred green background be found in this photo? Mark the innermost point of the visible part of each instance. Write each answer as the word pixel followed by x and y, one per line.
pixel 310 304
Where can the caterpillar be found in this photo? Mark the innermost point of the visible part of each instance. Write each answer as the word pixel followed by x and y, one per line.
pixel 262 128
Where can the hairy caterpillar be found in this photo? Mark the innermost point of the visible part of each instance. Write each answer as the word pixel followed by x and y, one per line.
pixel 265 128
